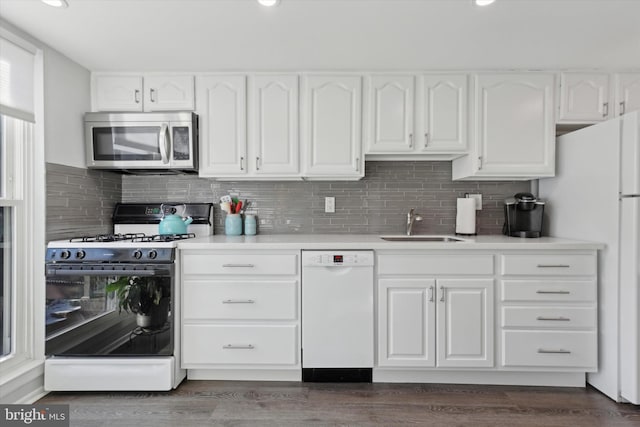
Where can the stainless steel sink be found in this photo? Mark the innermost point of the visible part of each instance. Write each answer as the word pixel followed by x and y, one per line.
pixel 421 238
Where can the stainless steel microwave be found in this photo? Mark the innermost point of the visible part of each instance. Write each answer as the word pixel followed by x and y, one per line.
pixel 136 142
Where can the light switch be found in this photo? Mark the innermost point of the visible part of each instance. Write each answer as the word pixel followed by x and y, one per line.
pixel 329 204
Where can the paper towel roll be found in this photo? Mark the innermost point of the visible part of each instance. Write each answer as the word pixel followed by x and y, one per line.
pixel 466 216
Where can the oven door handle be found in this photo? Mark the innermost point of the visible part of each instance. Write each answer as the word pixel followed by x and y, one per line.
pixel 131 272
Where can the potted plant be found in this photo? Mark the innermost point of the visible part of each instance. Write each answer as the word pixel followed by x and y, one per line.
pixel 147 297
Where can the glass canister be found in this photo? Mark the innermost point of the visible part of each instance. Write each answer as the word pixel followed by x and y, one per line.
pixel 250 225
pixel 233 225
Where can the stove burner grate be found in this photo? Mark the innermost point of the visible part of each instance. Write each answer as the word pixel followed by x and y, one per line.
pixel 164 237
pixel 107 238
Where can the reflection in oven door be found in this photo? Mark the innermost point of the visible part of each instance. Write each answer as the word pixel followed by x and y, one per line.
pixel 100 315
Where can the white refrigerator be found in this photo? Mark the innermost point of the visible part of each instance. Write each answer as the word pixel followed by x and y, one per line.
pixel 596 196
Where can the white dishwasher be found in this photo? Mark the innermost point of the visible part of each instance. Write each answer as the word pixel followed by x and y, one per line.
pixel 337 316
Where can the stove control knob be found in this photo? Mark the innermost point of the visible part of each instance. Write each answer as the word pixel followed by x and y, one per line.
pixel 65 254
pixel 137 254
pixel 153 254
pixel 80 254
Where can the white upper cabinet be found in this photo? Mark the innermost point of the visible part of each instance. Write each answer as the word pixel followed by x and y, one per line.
pixel 273 125
pixel 514 128
pixel 584 98
pixel 419 116
pixel 443 119
pixel 169 93
pixel 390 113
pixel 222 108
pixel 332 127
pixel 627 93
pixel 117 92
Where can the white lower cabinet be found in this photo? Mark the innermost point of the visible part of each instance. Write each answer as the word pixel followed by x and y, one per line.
pixel 526 317
pixel 549 311
pixel 452 329
pixel 241 314
pixel 435 321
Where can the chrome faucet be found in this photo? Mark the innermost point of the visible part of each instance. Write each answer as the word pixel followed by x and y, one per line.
pixel 411 218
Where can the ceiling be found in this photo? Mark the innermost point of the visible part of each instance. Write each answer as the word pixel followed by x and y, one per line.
pixel 203 35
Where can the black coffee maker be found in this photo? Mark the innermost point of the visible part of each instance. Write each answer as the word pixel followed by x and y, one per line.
pixel 523 215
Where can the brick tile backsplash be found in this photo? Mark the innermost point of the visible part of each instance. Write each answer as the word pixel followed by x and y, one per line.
pixel 80 201
pixel 376 204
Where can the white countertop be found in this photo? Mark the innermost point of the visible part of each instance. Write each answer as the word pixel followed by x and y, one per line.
pixel 373 241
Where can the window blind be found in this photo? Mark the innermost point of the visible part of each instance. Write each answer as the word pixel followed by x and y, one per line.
pixel 16 80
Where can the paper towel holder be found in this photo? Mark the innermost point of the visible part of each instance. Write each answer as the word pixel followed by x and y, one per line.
pixel 466 216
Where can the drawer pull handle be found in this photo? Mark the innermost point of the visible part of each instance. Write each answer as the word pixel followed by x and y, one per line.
pixel 238 301
pixel 554 266
pixel 238 347
pixel 431 292
pixel 560 318
pixel 238 265
pixel 560 351
pixel 554 292
pixel 442 294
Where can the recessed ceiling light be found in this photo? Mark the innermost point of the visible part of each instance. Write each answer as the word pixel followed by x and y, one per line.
pixel 484 2
pixel 269 3
pixel 56 3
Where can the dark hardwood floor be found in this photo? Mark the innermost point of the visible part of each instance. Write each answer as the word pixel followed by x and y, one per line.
pixel 228 403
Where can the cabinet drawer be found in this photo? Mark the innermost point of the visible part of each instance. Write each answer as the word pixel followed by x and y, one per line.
pixel 549 317
pixel 566 349
pixel 240 264
pixel 549 265
pixel 234 300
pixel 549 290
pixel 239 344
pixel 435 264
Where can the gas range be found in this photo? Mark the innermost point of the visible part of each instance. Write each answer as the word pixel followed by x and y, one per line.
pixel 92 342
pixel 135 237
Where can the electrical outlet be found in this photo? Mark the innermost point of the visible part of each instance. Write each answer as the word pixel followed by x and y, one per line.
pixel 329 204
pixel 478 198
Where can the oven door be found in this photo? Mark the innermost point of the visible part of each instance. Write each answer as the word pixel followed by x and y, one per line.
pixel 84 319
pixel 140 145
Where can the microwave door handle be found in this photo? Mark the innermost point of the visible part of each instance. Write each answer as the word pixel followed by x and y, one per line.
pixel 164 143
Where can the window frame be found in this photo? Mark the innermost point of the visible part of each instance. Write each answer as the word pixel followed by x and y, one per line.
pixel 26 196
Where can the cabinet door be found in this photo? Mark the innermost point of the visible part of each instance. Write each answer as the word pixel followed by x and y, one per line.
pixel 584 97
pixel 515 129
pixel 331 128
pixel 169 93
pixel 390 114
pixel 444 112
pixel 273 124
pixel 627 93
pixel 223 119
pixel 406 322
pixel 465 332
pixel 117 93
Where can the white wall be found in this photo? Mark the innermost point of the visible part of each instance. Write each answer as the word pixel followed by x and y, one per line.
pixel 67 97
